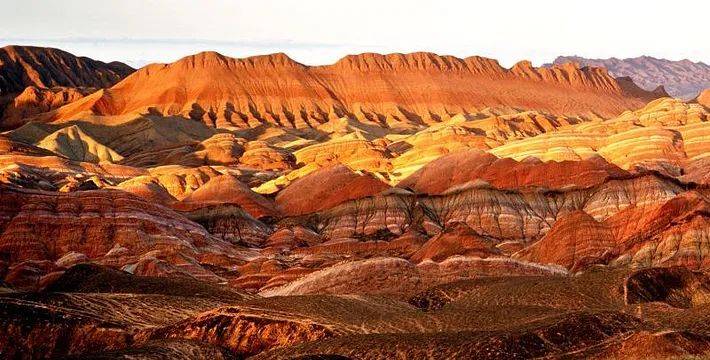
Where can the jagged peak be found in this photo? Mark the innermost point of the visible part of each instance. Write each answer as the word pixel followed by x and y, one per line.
pixel 16 49
pixel 660 91
pixel 415 60
pixel 478 61
pixel 423 61
pixel 523 64
pixel 212 58
pixel 22 66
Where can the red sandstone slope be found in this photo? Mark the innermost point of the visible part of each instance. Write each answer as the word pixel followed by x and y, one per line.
pixel 34 100
pixel 463 167
pixel 326 188
pixel 459 239
pixel 575 241
pixel 412 88
pixel 42 231
pixel 227 189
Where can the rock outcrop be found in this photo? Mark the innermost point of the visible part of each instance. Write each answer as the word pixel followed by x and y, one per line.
pixel 36 100
pixel 225 190
pixel 457 239
pixel 675 286
pixel 327 188
pixel 576 241
pixel 243 334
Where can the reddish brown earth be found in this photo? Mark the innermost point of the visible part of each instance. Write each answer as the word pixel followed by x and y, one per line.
pixel 459 168
pixel 384 89
pixel 35 100
pixel 576 241
pixel 327 188
pixel 227 189
pixel 385 206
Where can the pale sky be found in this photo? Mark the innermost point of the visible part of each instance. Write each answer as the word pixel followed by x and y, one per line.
pixel 318 32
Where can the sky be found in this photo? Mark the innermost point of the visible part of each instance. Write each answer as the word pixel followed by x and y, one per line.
pixel 317 32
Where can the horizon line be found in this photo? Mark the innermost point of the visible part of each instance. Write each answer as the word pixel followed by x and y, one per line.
pixel 275 44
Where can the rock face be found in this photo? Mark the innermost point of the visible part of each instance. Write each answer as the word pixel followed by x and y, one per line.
pixel 108 226
pixel 683 79
pixel 458 239
pixel 460 168
pixel 323 189
pixel 704 98
pixel 669 233
pixel 676 286
pixel 23 66
pixel 243 334
pixel 276 90
pixel 575 241
pixel 35 73
pixel 41 332
pixel 227 189
pixel 36 100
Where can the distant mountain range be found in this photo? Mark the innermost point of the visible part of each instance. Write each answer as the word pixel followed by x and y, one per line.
pixel 683 79
pixel 391 90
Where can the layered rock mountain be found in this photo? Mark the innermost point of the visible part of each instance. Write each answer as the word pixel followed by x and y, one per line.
pixel 38 79
pixel 395 90
pixel 23 66
pixel 36 100
pixel 684 79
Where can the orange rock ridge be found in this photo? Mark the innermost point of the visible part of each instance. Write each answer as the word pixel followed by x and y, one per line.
pixel 385 89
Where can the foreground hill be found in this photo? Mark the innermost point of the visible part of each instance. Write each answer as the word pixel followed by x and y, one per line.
pixel 46 78
pixel 394 90
pixel 599 314
pixel 683 79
